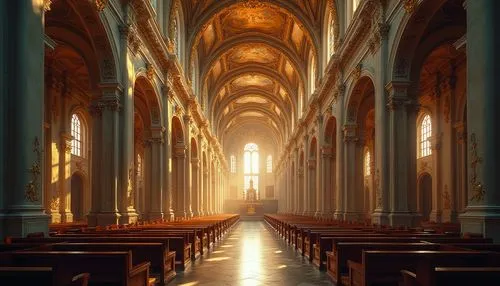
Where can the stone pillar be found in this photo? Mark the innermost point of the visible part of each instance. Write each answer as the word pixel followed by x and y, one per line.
pixel 483 211
pixel 312 170
pixel 21 123
pixel 166 160
pixel 319 167
pixel 65 171
pixel 437 176
pixel 154 206
pixel 179 188
pixel 353 193
pixel 326 177
pixel 381 170
pixel 306 209
pixel 105 143
pixel 402 155
pixel 201 172
pixel 339 164
pixel 461 165
pixel 206 175
pixel 187 167
pixel 125 176
pixel 195 166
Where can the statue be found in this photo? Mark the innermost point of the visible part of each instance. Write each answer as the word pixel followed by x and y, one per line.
pixel 251 193
pixel 130 189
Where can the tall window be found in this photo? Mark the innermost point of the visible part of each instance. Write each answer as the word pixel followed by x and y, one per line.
pixel 367 163
pixel 425 134
pixel 269 165
pixel 355 4
pixel 251 166
pixel 331 35
pixel 76 132
pixel 233 163
pixel 312 76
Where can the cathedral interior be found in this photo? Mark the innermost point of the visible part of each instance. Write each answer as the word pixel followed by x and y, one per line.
pixel 373 112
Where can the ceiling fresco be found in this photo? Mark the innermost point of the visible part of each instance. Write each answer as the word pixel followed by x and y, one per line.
pixel 253 55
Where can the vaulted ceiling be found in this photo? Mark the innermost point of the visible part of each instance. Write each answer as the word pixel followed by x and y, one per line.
pixel 251 58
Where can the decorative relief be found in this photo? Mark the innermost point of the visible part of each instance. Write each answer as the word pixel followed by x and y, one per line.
pixel 55 202
pixel 150 71
pixel 446 198
pixel 477 188
pixel 31 188
pixel 100 5
pixel 378 191
pixel 46 5
pixel 410 6
pixel 130 187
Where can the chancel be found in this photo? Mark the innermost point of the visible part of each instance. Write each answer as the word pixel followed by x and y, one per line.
pixel 345 142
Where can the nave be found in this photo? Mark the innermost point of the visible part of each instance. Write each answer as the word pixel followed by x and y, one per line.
pixel 252 254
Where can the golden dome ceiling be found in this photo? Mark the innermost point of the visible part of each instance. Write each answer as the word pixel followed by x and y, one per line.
pixel 252 57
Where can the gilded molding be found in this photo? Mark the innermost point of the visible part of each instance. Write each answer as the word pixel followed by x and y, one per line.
pixel 100 5
pixel 31 188
pixel 410 6
pixel 478 191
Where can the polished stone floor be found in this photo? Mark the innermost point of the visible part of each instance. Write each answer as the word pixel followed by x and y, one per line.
pixel 251 254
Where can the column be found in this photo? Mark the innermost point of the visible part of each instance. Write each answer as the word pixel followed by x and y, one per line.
pixel 340 188
pixel 402 155
pixel 187 167
pixel 64 179
pixel 126 131
pixel 306 176
pixel 381 172
pixel 483 211
pixel 326 177
pixel 353 191
pixel 201 172
pixel 180 188
pixel 21 124
pixel 167 160
pixel 300 190
pixel 296 200
pixel 319 167
pixel 154 203
pixel 195 165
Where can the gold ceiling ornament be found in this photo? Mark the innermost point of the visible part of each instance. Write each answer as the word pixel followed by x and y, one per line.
pixel 46 5
pixel 253 4
pixel 100 5
pixel 410 6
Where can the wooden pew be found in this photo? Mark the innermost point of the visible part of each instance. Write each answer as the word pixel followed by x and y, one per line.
pixel 344 251
pixel 111 268
pixel 384 267
pixel 162 261
pixel 178 244
pixel 20 276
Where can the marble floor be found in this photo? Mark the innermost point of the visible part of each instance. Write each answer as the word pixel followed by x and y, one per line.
pixel 251 254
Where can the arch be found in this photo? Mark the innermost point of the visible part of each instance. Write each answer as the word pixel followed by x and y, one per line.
pixel 146 99
pixel 407 43
pixel 178 167
pixel 425 195
pixel 288 7
pixel 77 196
pixel 330 131
pixel 177 131
pixel 91 36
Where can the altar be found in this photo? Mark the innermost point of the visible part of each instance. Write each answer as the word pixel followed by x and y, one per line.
pixel 252 206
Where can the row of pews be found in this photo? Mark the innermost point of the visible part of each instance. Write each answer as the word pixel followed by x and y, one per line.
pixel 138 254
pixel 363 254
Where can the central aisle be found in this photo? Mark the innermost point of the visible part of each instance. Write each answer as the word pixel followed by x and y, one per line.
pixel 252 255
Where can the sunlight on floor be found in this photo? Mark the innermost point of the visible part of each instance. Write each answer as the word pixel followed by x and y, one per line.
pixel 251 266
pixel 217 259
pixel 190 283
pixel 218 251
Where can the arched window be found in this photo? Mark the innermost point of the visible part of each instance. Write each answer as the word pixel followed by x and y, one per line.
pixel 76 132
pixel 355 4
pixel 269 165
pixel 331 35
pixel 312 75
pixel 233 163
pixel 367 164
pixel 425 134
pixel 251 166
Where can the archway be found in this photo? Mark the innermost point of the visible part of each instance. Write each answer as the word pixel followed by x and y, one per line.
pixel 77 197
pixel 178 167
pixel 425 196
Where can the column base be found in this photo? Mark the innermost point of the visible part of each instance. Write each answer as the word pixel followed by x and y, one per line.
pixel 380 218
pixel 66 216
pixel 55 217
pixel 403 218
pixel 449 216
pixel 354 216
pixel 21 224
pixel 435 216
pixel 103 218
pixel 128 217
pixel 482 219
